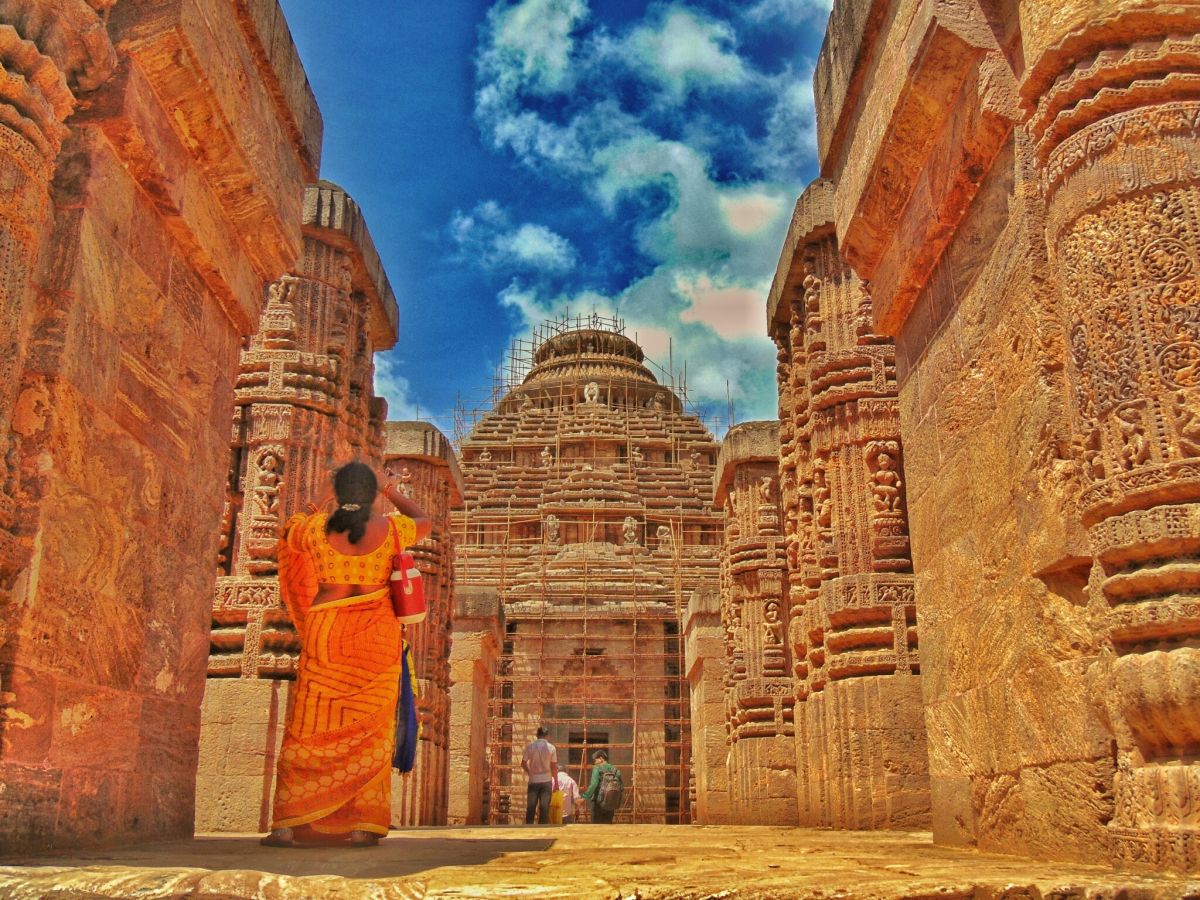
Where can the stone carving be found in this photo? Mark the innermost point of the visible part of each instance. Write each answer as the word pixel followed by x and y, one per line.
pixel 844 520
pixel 591 393
pixel 547 457
pixel 1122 234
pixel 759 692
pixel 550 529
pixel 882 460
pixel 666 540
pixel 630 532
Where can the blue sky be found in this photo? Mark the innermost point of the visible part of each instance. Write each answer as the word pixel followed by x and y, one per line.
pixel 520 158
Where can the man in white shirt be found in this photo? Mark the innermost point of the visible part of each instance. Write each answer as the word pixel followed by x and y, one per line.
pixel 540 762
pixel 570 792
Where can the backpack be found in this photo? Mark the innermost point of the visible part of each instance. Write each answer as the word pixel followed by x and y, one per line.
pixel 609 792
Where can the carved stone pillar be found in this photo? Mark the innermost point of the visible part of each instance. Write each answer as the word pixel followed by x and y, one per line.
pixel 1115 110
pixel 852 625
pixel 47 52
pixel 421 455
pixel 759 706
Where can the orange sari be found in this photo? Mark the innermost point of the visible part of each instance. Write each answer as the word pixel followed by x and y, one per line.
pixel 334 772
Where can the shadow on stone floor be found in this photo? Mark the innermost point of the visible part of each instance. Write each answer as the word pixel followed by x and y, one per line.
pixel 397 855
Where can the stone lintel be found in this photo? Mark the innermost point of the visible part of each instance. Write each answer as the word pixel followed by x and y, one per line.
pixel 420 440
pixel 925 127
pixel 127 111
pixel 842 66
pixel 332 216
pixel 206 66
pixel 812 219
pixel 284 76
pixel 744 443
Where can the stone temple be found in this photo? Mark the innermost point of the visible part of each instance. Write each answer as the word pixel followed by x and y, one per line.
pixel 952 590
pixel 588 517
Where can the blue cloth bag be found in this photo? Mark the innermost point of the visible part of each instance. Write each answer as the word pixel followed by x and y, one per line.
pixel 405 755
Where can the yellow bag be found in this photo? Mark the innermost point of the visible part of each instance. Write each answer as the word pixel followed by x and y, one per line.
pixel 556 807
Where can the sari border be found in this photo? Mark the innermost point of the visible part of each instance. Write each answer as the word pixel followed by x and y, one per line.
pixel 349 601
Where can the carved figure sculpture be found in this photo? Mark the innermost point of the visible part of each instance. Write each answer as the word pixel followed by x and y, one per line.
pixel 547 457
pixel 666 540
pixel 550 529
pixel 886 482
pixel 591 393
pixel 1135 449
pixel 630 532
pixel 1187 426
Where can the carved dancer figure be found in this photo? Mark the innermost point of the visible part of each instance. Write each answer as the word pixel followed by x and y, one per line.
pixel 1135 449
pixel 764 489
pixel 547 457
pixel 550 527
pixel 333 776
pixel 267 493
pixel 886 481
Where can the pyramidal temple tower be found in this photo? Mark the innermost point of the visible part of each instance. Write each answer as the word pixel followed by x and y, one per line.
pixel 587 525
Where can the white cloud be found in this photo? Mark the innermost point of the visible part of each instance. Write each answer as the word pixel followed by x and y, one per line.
pixel 681 51
pixel 535 39
pixel 733 312
pixel 395 389
pixel 487 237
pixel 791 125
pixel 805 12
pixel 709 205
pixel 537 246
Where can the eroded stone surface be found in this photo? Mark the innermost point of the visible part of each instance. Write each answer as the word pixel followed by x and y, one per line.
pixel 585 861
pixel 136 237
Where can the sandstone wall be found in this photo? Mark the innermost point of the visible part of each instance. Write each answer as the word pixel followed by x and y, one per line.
pixel 474 650
pixel 153 157
pixel 1018 181
pixel 704 655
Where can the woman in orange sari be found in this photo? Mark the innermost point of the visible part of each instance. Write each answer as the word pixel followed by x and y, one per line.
pixel 334 775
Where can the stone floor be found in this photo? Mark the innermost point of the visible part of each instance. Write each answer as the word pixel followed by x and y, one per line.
pixel 583 861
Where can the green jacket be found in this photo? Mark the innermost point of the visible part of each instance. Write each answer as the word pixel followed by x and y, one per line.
pixel 597 771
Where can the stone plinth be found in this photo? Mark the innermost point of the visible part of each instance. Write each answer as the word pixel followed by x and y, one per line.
pixel 135 241
pixel 704 653
pixel 474 651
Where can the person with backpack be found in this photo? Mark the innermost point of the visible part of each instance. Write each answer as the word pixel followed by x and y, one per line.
pixel 605 791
